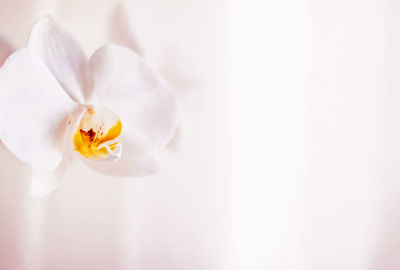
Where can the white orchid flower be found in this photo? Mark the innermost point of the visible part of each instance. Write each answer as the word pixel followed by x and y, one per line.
pixel 110 110
pixel 169 60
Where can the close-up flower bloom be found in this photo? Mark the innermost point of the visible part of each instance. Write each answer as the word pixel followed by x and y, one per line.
pixel 111 111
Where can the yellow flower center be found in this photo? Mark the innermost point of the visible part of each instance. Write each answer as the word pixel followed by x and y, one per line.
pixel 96 135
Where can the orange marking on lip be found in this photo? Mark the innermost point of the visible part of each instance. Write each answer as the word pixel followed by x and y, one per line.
pixel 90 144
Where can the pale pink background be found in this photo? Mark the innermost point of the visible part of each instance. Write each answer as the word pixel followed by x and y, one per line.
pixel 315 96
pixel 313 103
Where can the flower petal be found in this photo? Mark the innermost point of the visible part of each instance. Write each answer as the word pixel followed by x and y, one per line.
pixel 126 166
pixel 44 182
pixel 34 110
pixel 5 49
pixel 142 99
pixel 121 30
pixel 62 55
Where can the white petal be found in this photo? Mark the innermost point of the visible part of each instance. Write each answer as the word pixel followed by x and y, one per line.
pixel 44 182
pixel 121 30
pixel 143 100
pixel 62 55
pixel 34 110
pixel 126 166
pixel 5 49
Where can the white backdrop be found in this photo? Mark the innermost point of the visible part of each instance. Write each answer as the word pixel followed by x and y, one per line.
pixel 316 136
pixel 176 219
pixel 313 105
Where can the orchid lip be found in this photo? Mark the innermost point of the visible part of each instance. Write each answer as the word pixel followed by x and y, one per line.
pixel 97 134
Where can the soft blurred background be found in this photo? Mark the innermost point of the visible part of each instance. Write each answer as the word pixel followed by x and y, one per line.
pixel 315 108
pixel 288 157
